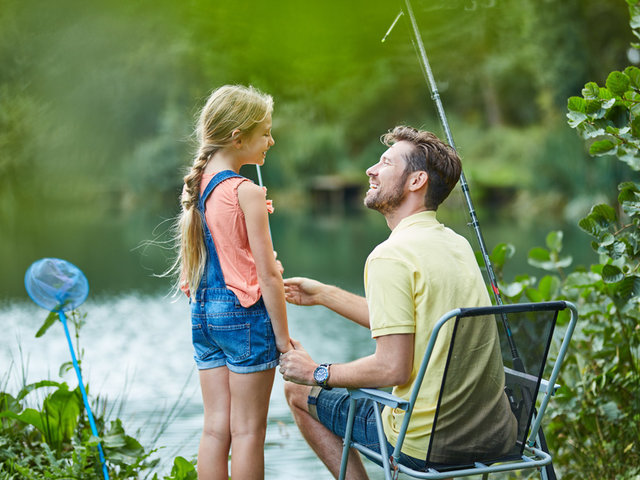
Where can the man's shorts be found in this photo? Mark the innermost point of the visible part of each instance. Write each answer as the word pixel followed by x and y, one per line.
pixel 331 408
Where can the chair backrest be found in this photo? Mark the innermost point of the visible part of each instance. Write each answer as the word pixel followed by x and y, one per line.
pixel 484 414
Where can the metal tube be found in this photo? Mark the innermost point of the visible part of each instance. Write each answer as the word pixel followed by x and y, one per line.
pixel 426 69
pixel 92 423
pixel 435 95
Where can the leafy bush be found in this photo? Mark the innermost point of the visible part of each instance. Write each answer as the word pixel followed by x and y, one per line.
pixel 595 420
pixel 53 439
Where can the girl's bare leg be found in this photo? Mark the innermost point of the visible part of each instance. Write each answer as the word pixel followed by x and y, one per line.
pixel 250 394
pixel 213 454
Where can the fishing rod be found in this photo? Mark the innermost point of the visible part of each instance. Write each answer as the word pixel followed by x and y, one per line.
pixel 259 175
pixel 261 184
pixel 435 96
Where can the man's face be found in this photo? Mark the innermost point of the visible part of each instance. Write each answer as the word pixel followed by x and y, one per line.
pixel 387 179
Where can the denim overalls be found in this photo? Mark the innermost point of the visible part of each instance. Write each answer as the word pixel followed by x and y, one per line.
pixel 223 331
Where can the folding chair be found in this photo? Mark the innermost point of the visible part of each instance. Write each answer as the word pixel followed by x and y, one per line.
pixel 525 332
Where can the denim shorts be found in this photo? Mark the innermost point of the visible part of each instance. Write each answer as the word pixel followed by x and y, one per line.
pixel 332 410
pixel 224 333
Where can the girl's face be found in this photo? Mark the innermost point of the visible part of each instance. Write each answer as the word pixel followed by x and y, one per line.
pixel 259 141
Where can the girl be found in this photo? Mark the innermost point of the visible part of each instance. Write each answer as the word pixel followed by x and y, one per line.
pixel 229 271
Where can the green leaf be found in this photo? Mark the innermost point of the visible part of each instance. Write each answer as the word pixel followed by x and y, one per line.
pixel 64 407
pixel 64 368
pixel 534 295
pixel 593 107
pixel 183 470
pixel 629 197
pixel 577 104
pixel 617 83
pixel 611 274
pixel 33 386
pixel 548 286
pixel 539 254
pixel 634 75
pixel 512 290
pixel 601 147
pixel 9 404
pixel 501 253
pixel 576 119
pixel 599 219
pixel 591 90
pixel 554 240
pixel 630 287
pixel 126 454
pixel 50 320
pixel 635 127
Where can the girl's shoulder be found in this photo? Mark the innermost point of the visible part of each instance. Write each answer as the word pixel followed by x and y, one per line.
pixel 248 191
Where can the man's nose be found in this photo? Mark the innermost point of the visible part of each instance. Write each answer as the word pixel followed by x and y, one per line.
pixel 371 171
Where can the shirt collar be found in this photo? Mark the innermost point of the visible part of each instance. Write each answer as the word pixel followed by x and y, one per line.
pixel 427 217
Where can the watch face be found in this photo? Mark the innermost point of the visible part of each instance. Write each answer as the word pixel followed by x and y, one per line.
pixel 320 374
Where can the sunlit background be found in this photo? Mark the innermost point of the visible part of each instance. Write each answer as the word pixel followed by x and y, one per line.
pixel 97 108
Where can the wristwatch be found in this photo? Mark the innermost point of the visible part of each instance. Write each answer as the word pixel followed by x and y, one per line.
pixel 321 375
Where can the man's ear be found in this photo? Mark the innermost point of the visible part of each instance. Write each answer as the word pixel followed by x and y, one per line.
pixel 236 138
pixel 418 180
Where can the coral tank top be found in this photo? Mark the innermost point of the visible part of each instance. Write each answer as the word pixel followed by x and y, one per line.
pixel 226 223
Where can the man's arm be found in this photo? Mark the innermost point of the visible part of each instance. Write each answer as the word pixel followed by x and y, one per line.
pixel 305 291
pixel 390 365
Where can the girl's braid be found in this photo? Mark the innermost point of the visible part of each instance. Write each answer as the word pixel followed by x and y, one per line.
pixel 192 180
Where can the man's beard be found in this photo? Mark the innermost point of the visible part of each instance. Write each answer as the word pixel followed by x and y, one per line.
pixel 387 202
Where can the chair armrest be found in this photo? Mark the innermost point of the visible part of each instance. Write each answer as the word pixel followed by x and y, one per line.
pixel 529 381
pixel 379 396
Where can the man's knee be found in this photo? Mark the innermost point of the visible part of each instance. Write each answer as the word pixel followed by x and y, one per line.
pixel 296 395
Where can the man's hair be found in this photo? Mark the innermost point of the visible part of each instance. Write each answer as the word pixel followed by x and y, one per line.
pixel 432 155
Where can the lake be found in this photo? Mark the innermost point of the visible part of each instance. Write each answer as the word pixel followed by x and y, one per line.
pixel 137 345
pixel 137 348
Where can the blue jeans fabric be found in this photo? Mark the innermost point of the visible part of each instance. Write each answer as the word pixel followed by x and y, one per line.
pixel 223 331
pixel 332 407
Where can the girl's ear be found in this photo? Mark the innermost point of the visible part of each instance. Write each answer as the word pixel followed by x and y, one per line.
pixel 236 138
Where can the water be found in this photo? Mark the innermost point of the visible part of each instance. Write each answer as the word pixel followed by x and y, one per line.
pixel 137 348
pixel 137 345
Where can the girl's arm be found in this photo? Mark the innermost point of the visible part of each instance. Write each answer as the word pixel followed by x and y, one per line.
pixel 252 199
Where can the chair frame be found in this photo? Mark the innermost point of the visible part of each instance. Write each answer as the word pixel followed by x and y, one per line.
pixel 533 455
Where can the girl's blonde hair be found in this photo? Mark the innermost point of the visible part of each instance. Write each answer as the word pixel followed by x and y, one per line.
pixel 228 108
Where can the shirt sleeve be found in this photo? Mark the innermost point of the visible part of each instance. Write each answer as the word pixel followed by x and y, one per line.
pixel 390 284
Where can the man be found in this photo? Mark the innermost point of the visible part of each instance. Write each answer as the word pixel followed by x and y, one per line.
pixel 420 272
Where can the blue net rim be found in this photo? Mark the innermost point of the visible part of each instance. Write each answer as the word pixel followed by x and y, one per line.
pixel 56 284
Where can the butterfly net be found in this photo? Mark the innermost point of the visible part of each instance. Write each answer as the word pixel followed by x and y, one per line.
pixel 56 284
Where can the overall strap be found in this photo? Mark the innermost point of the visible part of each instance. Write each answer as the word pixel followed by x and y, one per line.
pixel 213 183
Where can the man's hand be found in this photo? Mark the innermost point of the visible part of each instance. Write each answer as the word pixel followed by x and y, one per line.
pixel 297 366
pixel 302 291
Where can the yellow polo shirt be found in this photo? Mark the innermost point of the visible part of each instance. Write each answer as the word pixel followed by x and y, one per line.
pixel 419 273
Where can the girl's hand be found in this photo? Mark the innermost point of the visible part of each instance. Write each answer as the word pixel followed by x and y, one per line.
pixel 284 347
pixel 278 263
pixel 297 366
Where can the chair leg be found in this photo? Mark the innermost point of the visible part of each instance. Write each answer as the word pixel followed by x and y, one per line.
pixel 347 439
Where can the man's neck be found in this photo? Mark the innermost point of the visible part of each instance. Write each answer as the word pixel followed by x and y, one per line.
pixel 403 211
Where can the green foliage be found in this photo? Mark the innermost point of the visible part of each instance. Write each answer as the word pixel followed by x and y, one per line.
pixel 182 470
pixel 594 430
pixel 608 116
pixel 52 438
